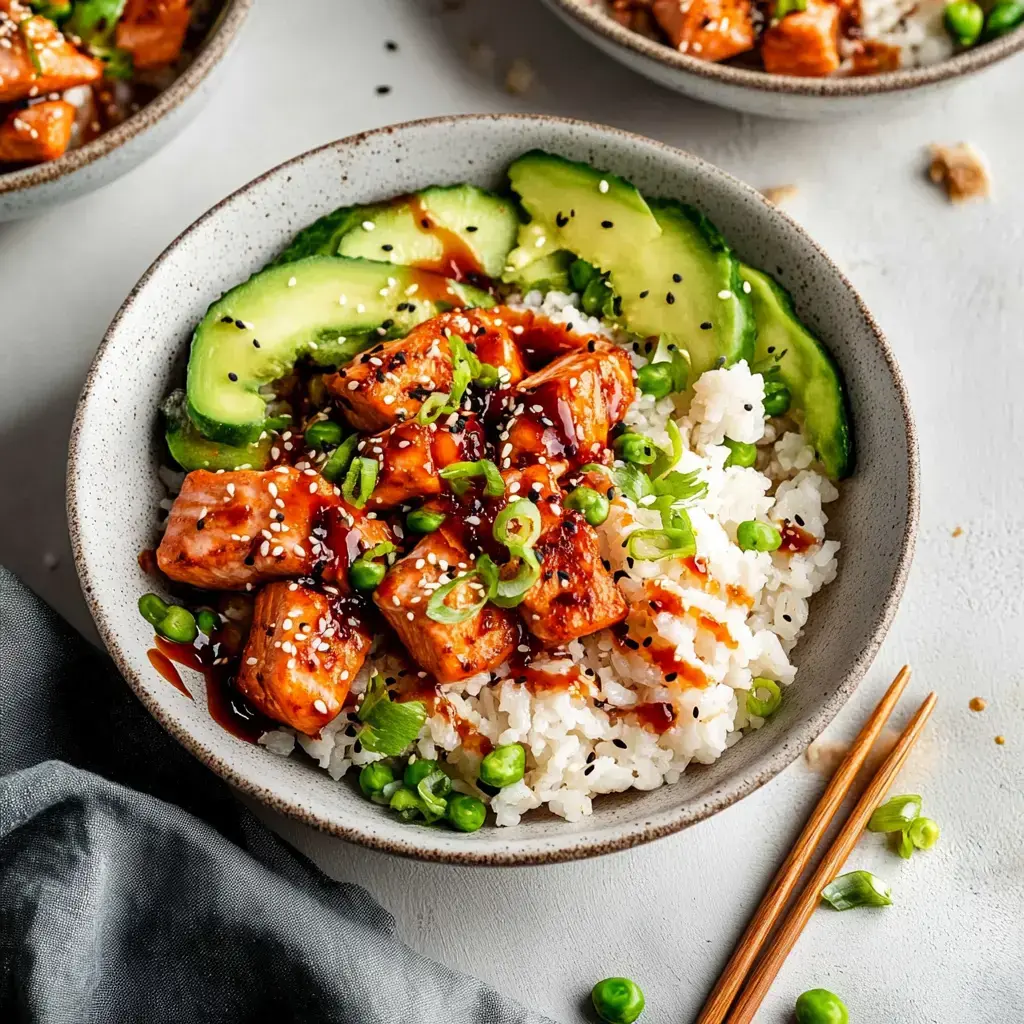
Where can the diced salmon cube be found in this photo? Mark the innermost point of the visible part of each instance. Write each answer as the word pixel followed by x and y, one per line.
pixel 539 484
pixel 346 535
pixel 37 133
pixel 568 407
pixel 410 456
pixel 229 530
pixel 493 341
pixel 301 656
pixel 709 29
pixel 804 43
pixel 51 65
pixel 575 595
pixel 448 651
pixel 153 31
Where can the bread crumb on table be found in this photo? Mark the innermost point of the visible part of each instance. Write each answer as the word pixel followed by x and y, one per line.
pixel 779 193
pixel 960 170
pixel 958 531
pixel 977 704
pixel 520 76
pixel 1000 740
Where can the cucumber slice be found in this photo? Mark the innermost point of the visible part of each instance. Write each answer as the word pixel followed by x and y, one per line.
pixel 458 230
pixel 804 365
pixel 193 451
pixel 670 269
pixel 257 331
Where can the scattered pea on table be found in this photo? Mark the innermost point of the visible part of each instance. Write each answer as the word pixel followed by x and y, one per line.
pixel 617 1000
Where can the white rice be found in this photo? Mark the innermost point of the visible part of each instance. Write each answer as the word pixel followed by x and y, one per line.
pixel 741 620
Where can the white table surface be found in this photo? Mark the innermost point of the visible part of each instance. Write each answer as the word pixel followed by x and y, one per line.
pixel 946 284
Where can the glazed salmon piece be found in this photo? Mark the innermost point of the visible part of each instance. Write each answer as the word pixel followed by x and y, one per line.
pixel 804 43
pixel 227 531
pixel 448 651
pixel 565 410
pixel 709 29
pixel 153 31
pixel 301 656
pixel 52 64
pixel 575 595
pixel 37 133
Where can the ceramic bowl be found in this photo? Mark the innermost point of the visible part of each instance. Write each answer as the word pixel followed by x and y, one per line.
pixel 114 492
pixel 756 92
pixel 116 152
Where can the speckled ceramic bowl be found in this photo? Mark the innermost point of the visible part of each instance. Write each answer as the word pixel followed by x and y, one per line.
pixel 116 152
pixel 113 490
pixel 756 92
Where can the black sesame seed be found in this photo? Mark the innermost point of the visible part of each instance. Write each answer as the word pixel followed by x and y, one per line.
pixel 591 346
pixel 357 748
pixel 227 319
pixel 671 677
pixel 604 561
pixel 799 520
pixel 425 222
pixel 748 407
pixel 588 769
pixel 696 712
pixel 607 224
pixel 788 618
pixel 620 574
pixel 621 744
pixel 610 493
pixel 232 376
pixel 561 220
pixel 670 298
pixel 255 343
pixel 630 562
pixel 631 643
pixel 590 757
pixel 677 278
pixel 249 559
pixel 387 325
pixel 706 326
pixel 398 359
pixel 387 247
pixel 562 574
pixel 240 324
pixel 771 348
pixel 644 293
pixel 648 640
pixel 391 46
pixel 383 90
pixel 200 524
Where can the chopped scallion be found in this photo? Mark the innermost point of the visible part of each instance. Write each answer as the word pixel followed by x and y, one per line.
pixel 517 525
pixel 896 814
pixel 857 889
pixel 458 475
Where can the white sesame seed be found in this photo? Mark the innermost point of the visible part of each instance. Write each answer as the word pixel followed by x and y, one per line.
pixel 368 225
pixel 252 661
pixel 353 385
pixel 746 287
pixel 725 294
pixel 292 282
pixel 602 186
pixel 320 706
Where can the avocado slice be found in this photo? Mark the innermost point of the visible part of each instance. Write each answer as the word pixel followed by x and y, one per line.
pixel 257 331
pixel 804 365
pixel 191 450
pixel 457 230
pixel 550 273
pixel 669 267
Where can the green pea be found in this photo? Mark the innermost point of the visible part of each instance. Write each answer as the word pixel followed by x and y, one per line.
pixel 594 505
pixel 740 453
pixel 581 273
pixel 374 777
pixel 153 608
pixel 777 398
pixel 1003 18
pixel 503 765
pixel 636 448
pixel 364 574
pixel 655 379
pixel 964 21
pixel 819 1006
pixel 424 521
pixel 754 536
pixel 617 1000
pixel 324 434
pixel 179 625
pixel 466 813
pixel 923 833
pixel 207 621
pixel 594 297
pixel 408 804
pixel 416 771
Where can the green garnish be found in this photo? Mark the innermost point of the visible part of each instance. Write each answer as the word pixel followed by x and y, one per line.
pixel 784 7
pixel 334 468
pixel 819 1006
pixel 374 777
pixel 432 407
pixel 483 578
pixel 896 814
pixel 617 1000
pixel 964 21
pixel 388 727
pixel 458 475
pixel 1004 17
pixel 923 833
pixel 857 889
pixel 777 398
pixel 153 608
pixel 360 480
pixel 503 766
pixel 508 593
pixel 171 621
pixel 422 520
pixel 432 790
pixel 207 621
pixel 517 525
pixel 637 449
pixel 366 575
pixel 768 704
pixel 324 434
pixel 466 813
pixel 754 536
pixel 740 453
pixel 590 503
pixel 653 545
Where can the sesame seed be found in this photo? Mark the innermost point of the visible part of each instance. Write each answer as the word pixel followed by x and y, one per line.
pixel 602 186
pixel 725 294
pixel 368 225
pixel 320 706
pixel 292 282
pixel 607 224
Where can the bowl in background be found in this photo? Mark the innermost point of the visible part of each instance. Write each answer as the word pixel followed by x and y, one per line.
pixel 114 491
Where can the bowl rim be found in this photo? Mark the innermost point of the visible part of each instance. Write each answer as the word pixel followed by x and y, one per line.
pixel 900 80
pixel 228 22
pixel 576 847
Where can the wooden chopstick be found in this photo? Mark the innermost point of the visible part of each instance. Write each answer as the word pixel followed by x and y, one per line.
pixel 785 881
pixel 771 962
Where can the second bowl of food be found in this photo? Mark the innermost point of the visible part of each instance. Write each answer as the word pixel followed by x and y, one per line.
pixel 802 59
pixel 481 473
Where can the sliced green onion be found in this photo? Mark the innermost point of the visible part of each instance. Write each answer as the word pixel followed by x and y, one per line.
pixel 924 833
pixel 784 7
pixel 637 449
pixel 857 889
pixel 580 274
pixel 423 520
pixel 510 593
pixel 379 550
pixel 666 461
pixel 763 706
pixel 408 804
pixel 432 790
pixel 458 475
pixel 905 845
pixel 896 814
pixel 359 481
pixel 653 545
pixel 517 525
pixel 488 377
pixel 383 797
pixel 486 572
pixel 388 728
pixel 324 434
pixel 463 365
pixel 334 468
pixel 432 407
pixel 673 514
pixel 366 575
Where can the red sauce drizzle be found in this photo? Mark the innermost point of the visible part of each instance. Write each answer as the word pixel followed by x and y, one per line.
pixel 166 668
pixel 662 600
pixel 458 261
pixel 658 717
pixel 796 540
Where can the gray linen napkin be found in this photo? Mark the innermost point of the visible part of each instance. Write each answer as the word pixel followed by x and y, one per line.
pixel 134 887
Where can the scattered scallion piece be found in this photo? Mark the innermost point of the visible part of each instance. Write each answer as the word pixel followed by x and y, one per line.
pixel 432 407
pixel 483 578
pixel 324 434
pixel 153 608
pixel 857 889
pixel 432 790
pixel 896 814
pixel 388 727
pixel 667 460
pixel 360 481
pixel 784 7
pixel 334 468
pixel 653 545
pixel 767 705
pixel 517 525
pixel 422 520
pixel 458 475
pixel 923 833
pixel 509 593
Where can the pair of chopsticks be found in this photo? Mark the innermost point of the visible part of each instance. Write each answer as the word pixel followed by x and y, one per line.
pixel 730 991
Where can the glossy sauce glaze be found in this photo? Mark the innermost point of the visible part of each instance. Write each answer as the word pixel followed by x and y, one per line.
pixel 457 261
